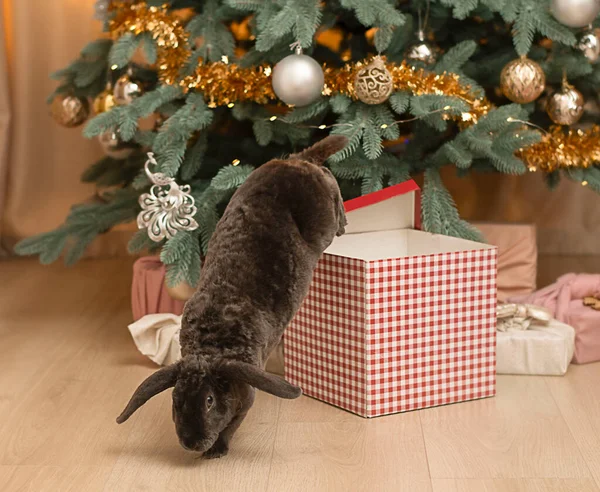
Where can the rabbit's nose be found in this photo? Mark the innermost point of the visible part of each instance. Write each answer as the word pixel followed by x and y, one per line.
pixel 186 447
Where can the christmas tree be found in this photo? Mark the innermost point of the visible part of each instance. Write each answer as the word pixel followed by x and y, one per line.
pixel 503 86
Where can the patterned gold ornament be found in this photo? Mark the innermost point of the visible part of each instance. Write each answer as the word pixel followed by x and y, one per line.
pixel 374 84
pixel 565 106
pixel 69 111
pixel 126 90
pixel 522 80
pixel 104 101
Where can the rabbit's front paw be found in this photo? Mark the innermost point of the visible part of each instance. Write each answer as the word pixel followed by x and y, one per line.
pixel 218 450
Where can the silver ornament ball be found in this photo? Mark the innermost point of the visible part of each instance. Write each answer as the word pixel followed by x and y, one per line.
pixel 298 80
pixel 422 50
pixel 113 146
pixel 575 13
pixel 589 45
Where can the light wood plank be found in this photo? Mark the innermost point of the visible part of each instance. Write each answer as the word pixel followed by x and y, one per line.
pixel 53 478
pixel 578 397
pixel 515 485
pixel 244 469
pixel 358 455
pixel 520 433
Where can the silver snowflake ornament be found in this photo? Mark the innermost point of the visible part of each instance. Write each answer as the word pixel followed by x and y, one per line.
pixel 168 208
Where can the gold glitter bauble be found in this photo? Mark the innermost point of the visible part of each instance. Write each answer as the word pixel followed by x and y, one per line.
pixel 104 101
pixel 126 90
pixel 113 146
pixel 522 80
pixel 565 106
pixel 69 111
pixel 374 84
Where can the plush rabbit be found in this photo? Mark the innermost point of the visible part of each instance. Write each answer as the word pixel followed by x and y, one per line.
pixel 257 271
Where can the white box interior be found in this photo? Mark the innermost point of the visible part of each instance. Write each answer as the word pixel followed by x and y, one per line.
pixel 385 230
pixel 381 245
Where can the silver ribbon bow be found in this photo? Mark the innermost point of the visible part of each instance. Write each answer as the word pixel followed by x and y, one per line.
pixel 168 208
pixel 514 317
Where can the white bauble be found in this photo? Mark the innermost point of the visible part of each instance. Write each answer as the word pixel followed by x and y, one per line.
pixel 575 13
pixel 298 80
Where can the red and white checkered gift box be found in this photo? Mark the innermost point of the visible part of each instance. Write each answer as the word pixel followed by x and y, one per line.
pixel 396 319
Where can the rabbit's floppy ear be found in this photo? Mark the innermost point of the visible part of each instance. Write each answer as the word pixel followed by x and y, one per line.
pixel 259 378
pixel 159 381
pixel 319 152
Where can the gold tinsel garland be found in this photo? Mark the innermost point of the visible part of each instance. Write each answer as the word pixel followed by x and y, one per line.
pixel 557 149
pixel 171 38
pixel 224 83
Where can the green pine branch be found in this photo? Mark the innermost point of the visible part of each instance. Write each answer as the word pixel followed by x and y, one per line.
pixel 123 50
pixel 83 224
pixel 439 213
pixel 231 177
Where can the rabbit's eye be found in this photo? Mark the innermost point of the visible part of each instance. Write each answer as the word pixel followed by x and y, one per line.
pixel 209 401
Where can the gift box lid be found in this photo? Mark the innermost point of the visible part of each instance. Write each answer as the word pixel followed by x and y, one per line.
pixel 385 225
pixel 395 207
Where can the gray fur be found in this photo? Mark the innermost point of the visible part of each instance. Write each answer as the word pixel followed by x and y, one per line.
pixel 256 273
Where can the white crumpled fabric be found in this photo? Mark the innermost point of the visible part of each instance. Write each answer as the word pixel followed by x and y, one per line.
pixel 530 341
pixel 157 337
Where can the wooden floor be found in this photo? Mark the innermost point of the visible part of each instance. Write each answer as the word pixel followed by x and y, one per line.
pixel 67 367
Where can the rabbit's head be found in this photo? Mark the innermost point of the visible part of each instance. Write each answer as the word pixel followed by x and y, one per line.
pixel 207 395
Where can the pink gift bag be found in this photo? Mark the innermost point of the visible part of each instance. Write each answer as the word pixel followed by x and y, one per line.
pixel 148 292
pixel 564 298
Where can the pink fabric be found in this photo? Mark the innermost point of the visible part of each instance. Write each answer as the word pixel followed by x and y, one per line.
pixel 517 256
pixel 564 298
pixel 148 292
